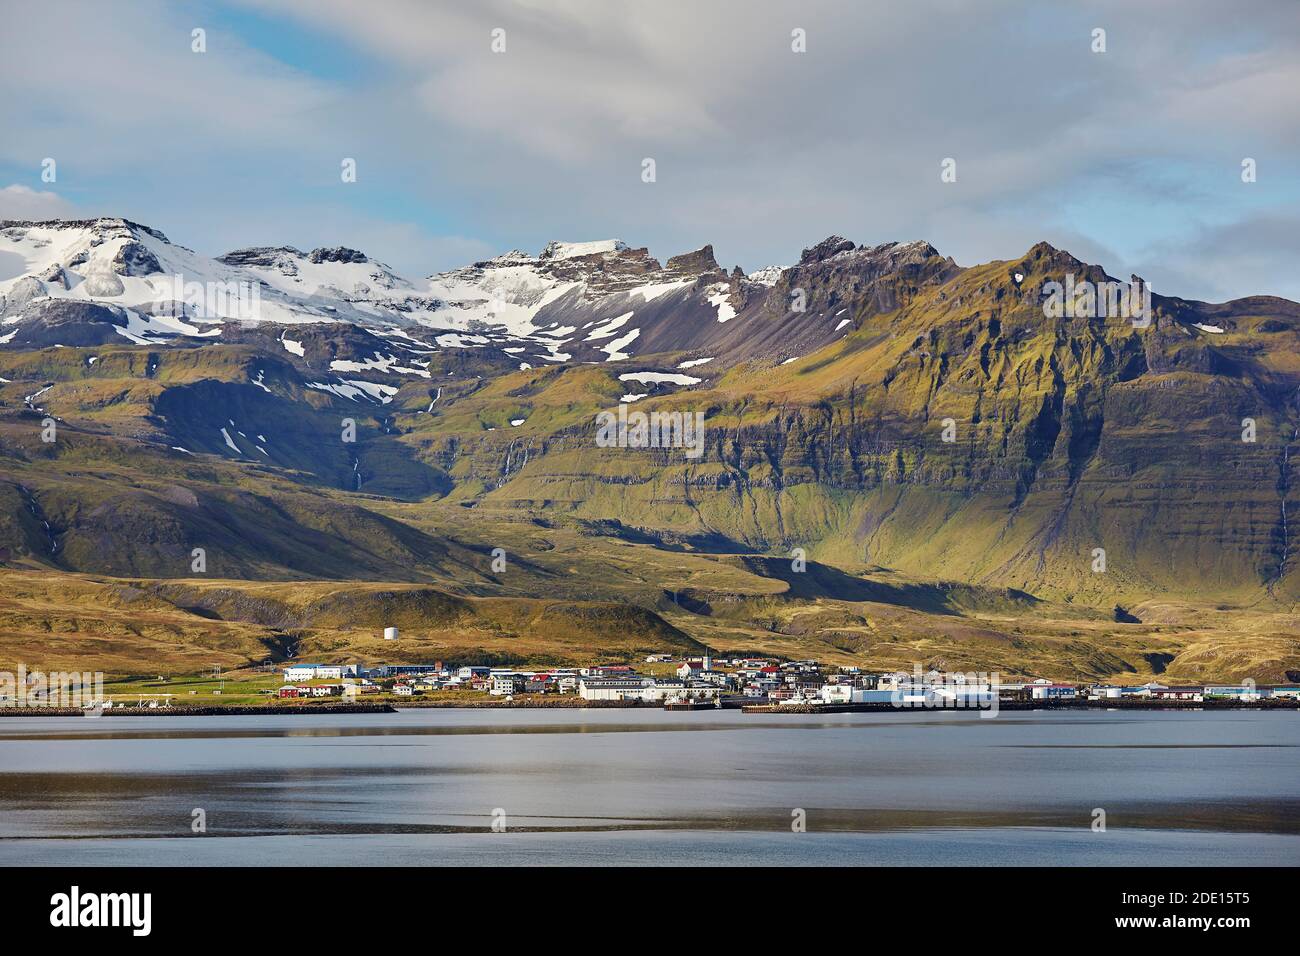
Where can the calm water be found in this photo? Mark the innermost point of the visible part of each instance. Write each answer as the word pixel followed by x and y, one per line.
pixel 649 787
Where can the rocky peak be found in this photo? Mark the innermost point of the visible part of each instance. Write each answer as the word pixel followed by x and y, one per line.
pixel 697 262
pixel 1047 263
pixel 515 257
pixel 105 227
pixel 556 249
pixel 135 259
pixel 258 255
pixel 337 254
pixel 55 275
pixel 830 246
pixel 613 267
pixel 896 255
pixel 768 275
pixel 1044 255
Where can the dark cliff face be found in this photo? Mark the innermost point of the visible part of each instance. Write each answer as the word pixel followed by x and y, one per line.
pixel 881 404
pixel 966 431
pixel 834 281
pixel 259 256
pixel 337 254
pixel 65 322
pixel 977 465
pixel 699 262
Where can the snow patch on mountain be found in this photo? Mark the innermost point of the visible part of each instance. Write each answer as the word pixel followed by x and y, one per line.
pixel 646 378
pixel 125 276
pixel 572 250
pixel 454 340
pixel 605 330
pixel 157 329
pixel 380 363
pixel 355 389
pixel 651 292
pixel 614 349
pixel 720 299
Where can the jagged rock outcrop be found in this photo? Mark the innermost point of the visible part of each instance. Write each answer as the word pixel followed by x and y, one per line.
pixel 878 401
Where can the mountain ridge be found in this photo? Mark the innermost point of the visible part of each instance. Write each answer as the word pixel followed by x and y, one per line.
pixel 915 421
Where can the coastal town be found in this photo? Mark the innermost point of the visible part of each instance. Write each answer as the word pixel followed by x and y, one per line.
pixel 749 683
pixel 709 682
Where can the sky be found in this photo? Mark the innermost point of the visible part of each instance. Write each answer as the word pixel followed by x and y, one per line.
pixel 1129 157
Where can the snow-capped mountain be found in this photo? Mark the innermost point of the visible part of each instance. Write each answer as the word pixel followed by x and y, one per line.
pixel 588 301
pixel 153 288
pixel 87 282
pixel 838 372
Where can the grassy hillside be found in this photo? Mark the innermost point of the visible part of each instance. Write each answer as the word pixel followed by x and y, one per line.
pixel 1070 435
pixel 71 622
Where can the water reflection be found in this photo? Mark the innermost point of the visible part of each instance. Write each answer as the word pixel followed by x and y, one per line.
pixel 604 778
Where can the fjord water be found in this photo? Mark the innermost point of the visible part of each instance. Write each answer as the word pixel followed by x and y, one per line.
pixel 423 787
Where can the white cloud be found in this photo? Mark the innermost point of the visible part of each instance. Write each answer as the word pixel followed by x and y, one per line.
pixel 22 202
pixel 763 151
pixel 759 150
pixel 101 85
pixel 1254 255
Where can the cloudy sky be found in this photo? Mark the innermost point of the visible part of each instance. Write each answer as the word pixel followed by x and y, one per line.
pixel 1131 157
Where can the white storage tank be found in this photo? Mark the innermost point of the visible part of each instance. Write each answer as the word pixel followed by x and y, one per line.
pixel 390 633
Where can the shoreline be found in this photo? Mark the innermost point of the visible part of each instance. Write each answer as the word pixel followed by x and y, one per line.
pixel 1026 705
pixel 577 703
pixel 200 710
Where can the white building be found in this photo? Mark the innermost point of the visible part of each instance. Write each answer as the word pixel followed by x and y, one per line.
pixel 664 689
pixel 848 694
pixel 301 672
pixel 616 688
pixel 503 685
pixel 680 690
pixel 911 695
pixel 1242 692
